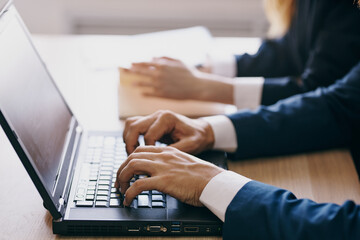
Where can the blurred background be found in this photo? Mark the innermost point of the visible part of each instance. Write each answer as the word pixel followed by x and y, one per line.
pixel 223 17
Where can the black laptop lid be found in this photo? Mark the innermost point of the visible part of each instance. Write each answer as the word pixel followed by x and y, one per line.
pixel 34 115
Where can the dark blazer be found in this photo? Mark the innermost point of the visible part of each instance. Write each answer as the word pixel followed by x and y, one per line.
pixel 260 211
pixel 324 118
pixel 321 46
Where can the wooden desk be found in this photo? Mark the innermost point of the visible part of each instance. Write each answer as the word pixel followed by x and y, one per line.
pixel 324 177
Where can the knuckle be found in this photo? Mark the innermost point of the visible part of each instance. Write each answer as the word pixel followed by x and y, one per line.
pixel 166 155
pixel 132 156
pixel 133 164
pixel 160 112
pixel 130 120
pixel 171 149
pixel 166 114
pixel 140 149
pixel 132 125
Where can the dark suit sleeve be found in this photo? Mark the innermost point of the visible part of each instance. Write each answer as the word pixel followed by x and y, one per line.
pixel 325 118
pixel 325 54
pixel 262 63
pixel 261 211
pixel 335 51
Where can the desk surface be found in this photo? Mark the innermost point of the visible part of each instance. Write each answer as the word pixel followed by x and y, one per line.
pixel 324 177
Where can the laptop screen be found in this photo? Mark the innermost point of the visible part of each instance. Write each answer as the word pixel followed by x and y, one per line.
pixel 31 102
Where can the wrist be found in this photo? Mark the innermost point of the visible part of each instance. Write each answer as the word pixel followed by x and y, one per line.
pixel 215 88
pixel 208 135
pixel 207 175
pixel 200 88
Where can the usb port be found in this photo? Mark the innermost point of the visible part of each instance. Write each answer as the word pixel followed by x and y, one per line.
pixel 135 229
pixel 175 223
pixel 175 229
pixel 191 229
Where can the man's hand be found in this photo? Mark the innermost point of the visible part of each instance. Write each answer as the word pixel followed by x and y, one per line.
pixel 188 135
pixel 170 171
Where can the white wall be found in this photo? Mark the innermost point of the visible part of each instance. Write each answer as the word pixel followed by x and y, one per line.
pixel 222 17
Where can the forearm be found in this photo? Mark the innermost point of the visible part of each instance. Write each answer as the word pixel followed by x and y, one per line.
pixel 215 88
pixel 261 211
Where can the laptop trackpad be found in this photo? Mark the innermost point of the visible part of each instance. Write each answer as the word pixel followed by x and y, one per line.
pixel 116 213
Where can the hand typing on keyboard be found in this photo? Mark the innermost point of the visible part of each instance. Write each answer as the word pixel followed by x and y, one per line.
pixel 188 135
pixel 170 171
pixel 98 174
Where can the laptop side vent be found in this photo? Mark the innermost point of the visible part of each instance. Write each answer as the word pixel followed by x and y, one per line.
pixel 93 230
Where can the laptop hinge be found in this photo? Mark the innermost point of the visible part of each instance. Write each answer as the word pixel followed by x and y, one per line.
pixel 65 194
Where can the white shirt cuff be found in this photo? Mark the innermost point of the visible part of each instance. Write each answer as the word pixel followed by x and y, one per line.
pixel 221 190
pixel 248 92
pixel 223 64
pixel 224 133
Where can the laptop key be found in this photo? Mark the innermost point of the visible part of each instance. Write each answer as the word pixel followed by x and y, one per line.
pixel 80 191
pixel 90 197
pixel 84 203
pixel 101 198
pixel 115 203
pixel 101 204
pixel 103 187
pixel 107 173
pixel 157 198
pixel 105 177
pixel 158 204
pixel 93 178
pixel 115 195
pixel 107 169
pixel 104 182
pixel 155 192
pixel 79 197
pixel 143 201
pixel 102 193
pixel 90 192
pixel 134 203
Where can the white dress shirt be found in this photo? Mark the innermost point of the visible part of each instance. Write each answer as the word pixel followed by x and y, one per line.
pixel 221 189
pixel 247 90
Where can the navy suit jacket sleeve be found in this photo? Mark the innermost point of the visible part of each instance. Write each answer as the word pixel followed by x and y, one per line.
pixel 321 119
pixel 261 211
pixel 321 46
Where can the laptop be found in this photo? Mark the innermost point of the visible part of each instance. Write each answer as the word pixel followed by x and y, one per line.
pixel 74 169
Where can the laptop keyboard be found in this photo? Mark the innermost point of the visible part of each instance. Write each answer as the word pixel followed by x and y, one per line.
pixel 103 158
